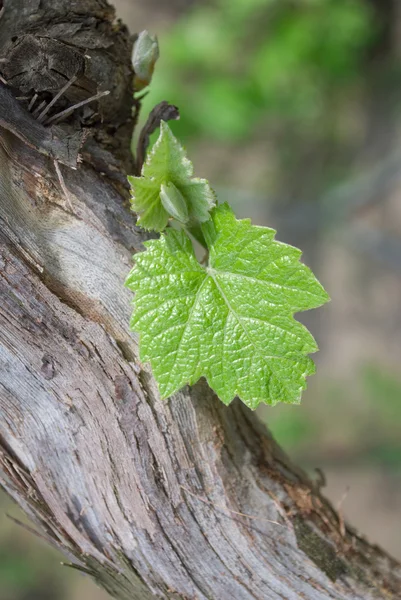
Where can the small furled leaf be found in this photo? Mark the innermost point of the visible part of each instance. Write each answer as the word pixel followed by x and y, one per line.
pixel 168 166
pixel 231 321
pixel 174 202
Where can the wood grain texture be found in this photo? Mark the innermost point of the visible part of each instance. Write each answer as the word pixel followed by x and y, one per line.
pixel 149 497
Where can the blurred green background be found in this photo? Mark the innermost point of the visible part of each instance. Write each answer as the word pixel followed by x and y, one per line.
pixel 292 110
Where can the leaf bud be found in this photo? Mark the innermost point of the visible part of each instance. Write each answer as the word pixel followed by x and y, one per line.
pixel 144 56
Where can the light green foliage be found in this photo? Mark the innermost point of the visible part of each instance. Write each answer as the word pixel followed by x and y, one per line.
pixel 383 390
pixel 230 321
pixel 167 165
pixel 237 63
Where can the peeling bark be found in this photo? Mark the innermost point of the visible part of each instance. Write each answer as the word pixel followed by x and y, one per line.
pixel 179 499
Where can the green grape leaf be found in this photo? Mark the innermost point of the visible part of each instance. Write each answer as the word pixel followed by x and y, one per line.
pixel 167 164
pixel 231 321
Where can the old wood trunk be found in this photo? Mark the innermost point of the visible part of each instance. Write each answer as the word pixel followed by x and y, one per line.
pixel 177 499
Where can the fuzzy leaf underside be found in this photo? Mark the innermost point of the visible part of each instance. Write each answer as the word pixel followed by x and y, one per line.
pixel 167 163
pixel 232 321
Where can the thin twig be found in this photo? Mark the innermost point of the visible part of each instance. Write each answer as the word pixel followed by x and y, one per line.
pixel 320 480
pixel 65 113
pixel 38 109
pixel 234 512
pixel 62 183
pixel 27 528
pixel 78 568
pixel 32 102
pixel 142 95
pixel 56 97
pixel 280 509
pixel 341 520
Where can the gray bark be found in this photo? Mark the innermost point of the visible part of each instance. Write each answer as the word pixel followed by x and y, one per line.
pixel 179 499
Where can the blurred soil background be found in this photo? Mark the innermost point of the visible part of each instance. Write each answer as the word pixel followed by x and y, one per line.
pixel 292 110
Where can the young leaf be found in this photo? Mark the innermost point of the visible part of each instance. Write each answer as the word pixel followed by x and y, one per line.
pixel 167 164
pixel 231 321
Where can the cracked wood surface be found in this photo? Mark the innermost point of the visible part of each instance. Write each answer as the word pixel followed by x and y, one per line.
pixel 179 499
